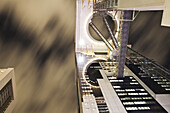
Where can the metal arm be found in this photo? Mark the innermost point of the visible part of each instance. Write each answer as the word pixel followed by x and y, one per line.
pixel 115 43
pixel 101 36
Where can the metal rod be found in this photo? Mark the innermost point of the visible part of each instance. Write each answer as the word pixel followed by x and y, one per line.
pixel 101 36
pixel 124 42
pixel 115 43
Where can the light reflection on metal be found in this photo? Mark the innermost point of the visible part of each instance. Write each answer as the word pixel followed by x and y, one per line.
pixel 81 59
pixel 118 25
pixel 101 36
pixel 115 17
pixel 85 67
pixel 110 53
pixel 81 42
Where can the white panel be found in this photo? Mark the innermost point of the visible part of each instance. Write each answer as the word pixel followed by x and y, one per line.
pixel 89 104
pixel 164 101
pixel 166 14
pixel 112 100
pixel 139 3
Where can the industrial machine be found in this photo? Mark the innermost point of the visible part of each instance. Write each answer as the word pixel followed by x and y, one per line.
pixel 112 77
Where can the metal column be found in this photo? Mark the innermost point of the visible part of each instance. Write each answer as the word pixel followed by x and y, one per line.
pixel 124 42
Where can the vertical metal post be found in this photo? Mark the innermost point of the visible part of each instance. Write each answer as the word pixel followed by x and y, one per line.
pixel 124 41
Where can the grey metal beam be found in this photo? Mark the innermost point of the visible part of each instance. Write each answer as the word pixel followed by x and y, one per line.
pixel 101 36
pixel 124 41
pixel 115 43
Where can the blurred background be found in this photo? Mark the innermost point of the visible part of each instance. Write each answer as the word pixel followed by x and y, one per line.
pixel 37 39
pixel 149 38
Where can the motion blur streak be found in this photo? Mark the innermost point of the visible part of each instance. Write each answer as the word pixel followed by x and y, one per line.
pixel 149 38
pixel 37 39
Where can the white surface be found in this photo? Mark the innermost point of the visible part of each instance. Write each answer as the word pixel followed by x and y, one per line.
pixel 112 100
pixel 166 14
pixel 89 104
pixel 139 3
pixel 164 101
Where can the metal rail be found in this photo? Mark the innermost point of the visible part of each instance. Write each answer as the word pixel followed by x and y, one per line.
pixel 105 4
